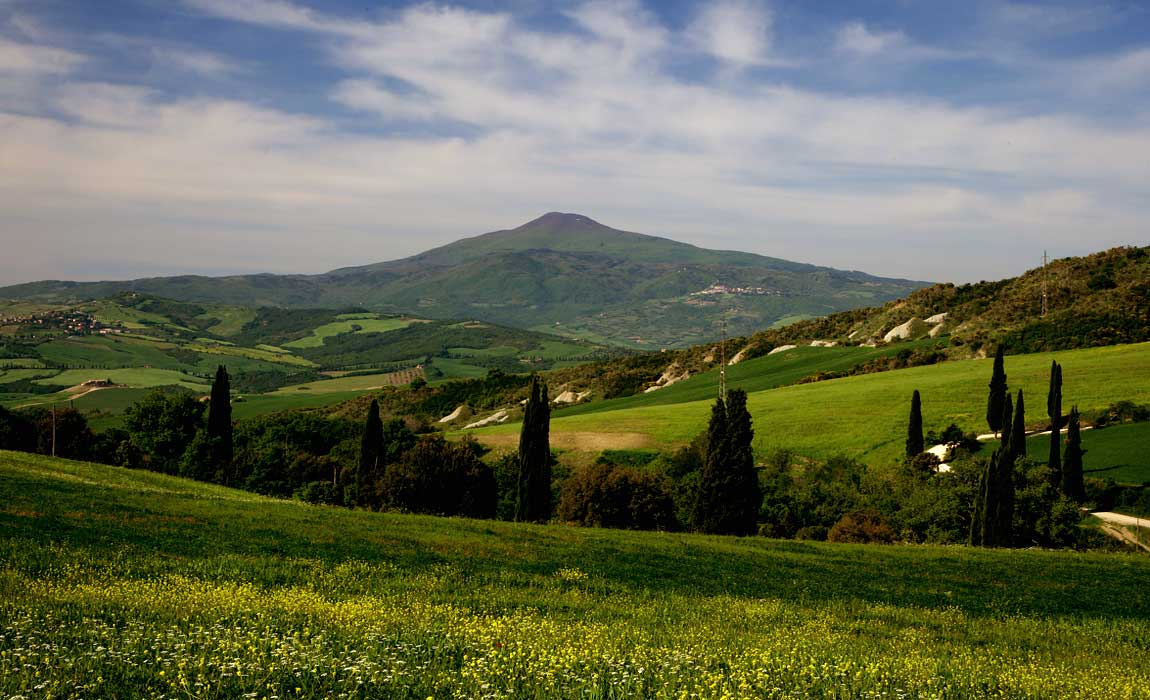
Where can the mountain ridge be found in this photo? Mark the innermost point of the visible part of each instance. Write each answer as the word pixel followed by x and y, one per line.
pixel 561 272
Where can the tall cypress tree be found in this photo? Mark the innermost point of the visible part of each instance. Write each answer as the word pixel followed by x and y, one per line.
pixel 370 458
pixel 533 487
pixel 745 496
pixel 220 425
pixel 1018 430
pixel 729 495
pixel 992 522
pixel 998 393
pixel 711 478
pixel 1054 411
pixel 1072 484
pixel 914 440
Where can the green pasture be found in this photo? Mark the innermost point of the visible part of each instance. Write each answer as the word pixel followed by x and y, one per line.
pixel 264 354
pixel 133 377
pixel 15 375
pixel 865 416
pixel 348 325
pixel 21 363
pixel 229 320
pixel 109 351
pixel 456 369
pixel 116 583
pixel 754 375
pixel 1118 452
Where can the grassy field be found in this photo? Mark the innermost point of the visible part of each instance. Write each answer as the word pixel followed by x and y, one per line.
pixel 1119 452
pixel 134 378
pixel 754 375
pixel 865 416
pixel 350 323
pixel 116 583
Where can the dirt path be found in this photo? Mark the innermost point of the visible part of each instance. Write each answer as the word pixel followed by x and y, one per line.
pixel 71 397
pixel 1115 525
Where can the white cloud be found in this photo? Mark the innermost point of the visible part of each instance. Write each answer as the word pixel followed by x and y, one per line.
pixel 735 31
pixel 196 61
pixel 32 59
pixel 856 38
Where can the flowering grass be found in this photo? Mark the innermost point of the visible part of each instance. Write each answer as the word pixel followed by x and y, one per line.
pixel 117 584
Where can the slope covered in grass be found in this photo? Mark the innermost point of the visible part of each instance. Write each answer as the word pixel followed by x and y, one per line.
pixel 116 583
pixel 865 416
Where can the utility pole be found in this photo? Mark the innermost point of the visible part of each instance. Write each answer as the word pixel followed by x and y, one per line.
pixel 1044 261
pixel 53 430
pixel 723 362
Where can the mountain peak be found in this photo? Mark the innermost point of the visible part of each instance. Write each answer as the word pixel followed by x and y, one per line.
pixel 558 219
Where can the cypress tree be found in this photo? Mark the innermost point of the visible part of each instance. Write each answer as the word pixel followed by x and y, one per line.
pixel 1004 483
pixel 711 478
pixel 914 440
pixel 1018 430
pixel 533 487
pixel 998 393
pixel 1072 484
pixel 370 458
pixel 745 496
pixel 729 495
pixel 220 423
pixel 1054 411
pixel 992 522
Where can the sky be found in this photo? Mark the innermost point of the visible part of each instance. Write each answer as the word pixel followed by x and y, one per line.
pixel 936 140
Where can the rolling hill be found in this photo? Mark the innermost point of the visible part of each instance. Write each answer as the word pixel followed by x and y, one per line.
pixel 124 583
pixel 561 273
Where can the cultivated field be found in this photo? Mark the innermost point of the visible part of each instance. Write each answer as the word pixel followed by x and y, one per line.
pixel 124 584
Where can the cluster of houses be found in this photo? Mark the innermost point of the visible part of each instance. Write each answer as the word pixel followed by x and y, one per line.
pixel 715 289
pixel 56 322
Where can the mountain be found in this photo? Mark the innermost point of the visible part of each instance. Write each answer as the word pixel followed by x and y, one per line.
pixel 563 273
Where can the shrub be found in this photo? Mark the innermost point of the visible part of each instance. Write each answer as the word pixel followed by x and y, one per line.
pixel 862 527
pixel 606 495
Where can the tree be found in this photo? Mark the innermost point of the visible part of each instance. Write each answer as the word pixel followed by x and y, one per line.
pixel 998 393
pixel 533 487
pixel 1072 484
pixel 992 523
pixel 220 425
pixel 914 439
pixel 370 454
pixel 1018 430
pixel 1054 411
pixel 162 425
pixel 729 495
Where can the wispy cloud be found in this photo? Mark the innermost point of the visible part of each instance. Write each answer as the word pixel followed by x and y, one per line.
pixel 736 31
pixel 32 59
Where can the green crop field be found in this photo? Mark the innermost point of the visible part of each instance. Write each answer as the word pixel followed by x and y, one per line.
pixel 264 354
pixel 865 416
pixel 359 382
pixel 356 324
pixel 116 583
pixel 100 351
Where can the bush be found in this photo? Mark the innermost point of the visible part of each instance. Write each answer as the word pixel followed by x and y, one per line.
pixel 862 527
pixel 606 495
pixel 442 478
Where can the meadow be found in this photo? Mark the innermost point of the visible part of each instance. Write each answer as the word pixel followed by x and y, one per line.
pixel 116 583
pixel 865 416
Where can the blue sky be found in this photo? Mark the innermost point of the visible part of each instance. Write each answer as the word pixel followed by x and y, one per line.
pixel 932 140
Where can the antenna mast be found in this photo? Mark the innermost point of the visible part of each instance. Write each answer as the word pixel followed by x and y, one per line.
pixel 1044 260
pixel 723 362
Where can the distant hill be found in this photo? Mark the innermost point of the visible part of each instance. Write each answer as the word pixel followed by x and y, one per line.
pixel 1094 300
pixel 561 273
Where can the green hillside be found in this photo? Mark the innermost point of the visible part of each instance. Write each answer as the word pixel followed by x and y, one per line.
pixel 115 583
pixel 561 273
pixel 136 341
pixel 862 416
